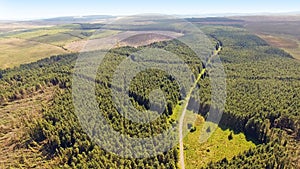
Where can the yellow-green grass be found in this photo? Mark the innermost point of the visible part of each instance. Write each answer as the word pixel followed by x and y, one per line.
pixel 14 51
pixel 59 39
pixel 54 36
pixel 104 33
pixel 217 147
pixel 176 111
pixel 64 38
pixel 38 32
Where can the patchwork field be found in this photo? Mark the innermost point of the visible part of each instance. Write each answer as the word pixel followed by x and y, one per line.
pixel 25 46
pixel 58 36
pixel 128 38
pixel 14 51
pixel 15 26
pixel 279 31
pixel 37 33
pixel 285 42
pixel 103 33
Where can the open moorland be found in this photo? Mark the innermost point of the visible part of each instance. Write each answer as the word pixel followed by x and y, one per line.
pixel 280 31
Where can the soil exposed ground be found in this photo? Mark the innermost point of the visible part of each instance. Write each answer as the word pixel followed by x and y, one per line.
pixel 279 31
pixel 14 119
pixel 278 41
pixel 128 38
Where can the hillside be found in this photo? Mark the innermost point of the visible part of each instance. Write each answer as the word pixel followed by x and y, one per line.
pixel 261 113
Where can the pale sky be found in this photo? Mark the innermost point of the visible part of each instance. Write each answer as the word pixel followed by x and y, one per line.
pixel 35 9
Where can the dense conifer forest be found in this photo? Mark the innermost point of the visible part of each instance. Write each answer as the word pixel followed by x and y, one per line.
pixel 263 93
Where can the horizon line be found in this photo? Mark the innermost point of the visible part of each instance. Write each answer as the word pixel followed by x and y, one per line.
pixel 226 14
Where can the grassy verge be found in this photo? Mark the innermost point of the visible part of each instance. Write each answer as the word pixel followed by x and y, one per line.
pixel 217 147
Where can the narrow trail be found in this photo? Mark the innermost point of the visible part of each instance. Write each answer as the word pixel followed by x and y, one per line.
pixel 187 99
pixel 181 156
